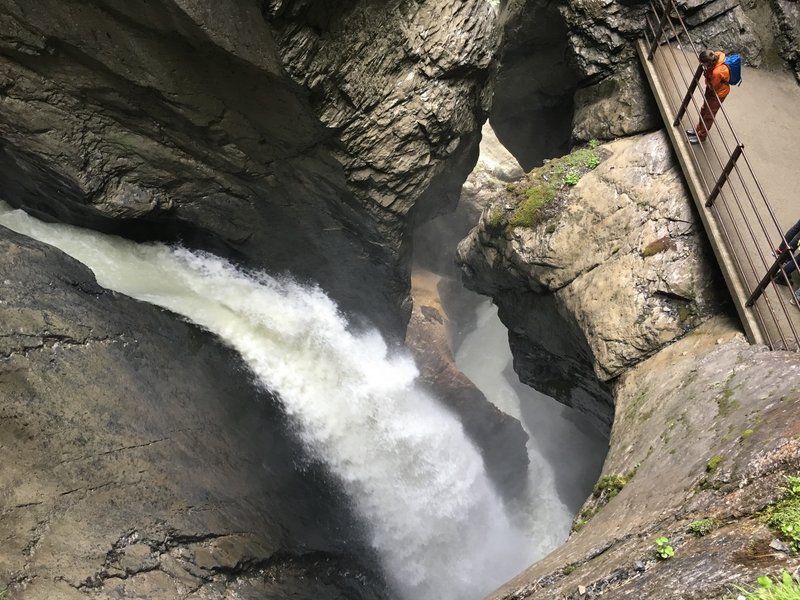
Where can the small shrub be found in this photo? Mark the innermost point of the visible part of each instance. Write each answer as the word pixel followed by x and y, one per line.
pixel 572 179
pixel 785 589
pixel 663 549
pixel 702 527
pixel 785 515
pixel 609 485
pixel 713 463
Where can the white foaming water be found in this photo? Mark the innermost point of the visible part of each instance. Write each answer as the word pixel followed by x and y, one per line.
pixel 437 524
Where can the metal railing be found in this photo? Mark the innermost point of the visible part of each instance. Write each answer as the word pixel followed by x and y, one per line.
pixel 733 195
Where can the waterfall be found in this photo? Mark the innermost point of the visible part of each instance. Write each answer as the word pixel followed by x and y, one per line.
pixel 412 474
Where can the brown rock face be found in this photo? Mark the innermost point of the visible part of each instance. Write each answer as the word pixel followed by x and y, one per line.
pixel 140 462
pixel 705 429
pixel 499 437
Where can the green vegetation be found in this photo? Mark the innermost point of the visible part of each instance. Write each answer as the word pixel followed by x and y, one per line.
pixel 544 185
pixel 606 488
pixel 785 515
pixel 746 434
pixel 663 549
pixel 609 485
pixel 702 527
pixel 785 589
pixel 713 463
pixel 725 400
pixel 496 217
pixel 583 517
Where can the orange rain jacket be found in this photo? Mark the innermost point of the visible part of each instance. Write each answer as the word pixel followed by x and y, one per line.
pixel 718 76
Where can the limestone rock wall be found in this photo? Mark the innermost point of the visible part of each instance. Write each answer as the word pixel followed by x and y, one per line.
pixel 624 237
pixel 613 306
pixel 570 73
pixel 705 429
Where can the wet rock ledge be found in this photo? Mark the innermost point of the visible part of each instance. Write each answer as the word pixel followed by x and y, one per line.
pixel 139 461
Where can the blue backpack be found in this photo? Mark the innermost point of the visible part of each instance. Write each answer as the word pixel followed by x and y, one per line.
pixel 734 64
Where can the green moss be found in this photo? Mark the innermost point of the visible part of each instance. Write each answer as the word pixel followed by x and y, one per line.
pixel 529 212
pixel 702 527
pixel 569 569
pixel 727 405
pixel 544 185
pixel 636 404
pixel 746 434
pixel 784 516
pixel 713 463
pixel 659 245
pixel 496 216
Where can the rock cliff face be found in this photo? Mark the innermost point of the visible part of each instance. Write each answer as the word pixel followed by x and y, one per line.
pixel 301 136
pixel 624 236
pixel 613 307
pixel 569 71
pixel 140 462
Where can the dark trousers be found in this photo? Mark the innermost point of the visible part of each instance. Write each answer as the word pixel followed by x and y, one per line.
pixel 793 237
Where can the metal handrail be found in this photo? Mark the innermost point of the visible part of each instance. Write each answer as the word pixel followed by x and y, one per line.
pixel 734 195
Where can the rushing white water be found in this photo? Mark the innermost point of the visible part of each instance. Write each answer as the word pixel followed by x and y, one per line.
pixel 435 520
pixel 565 459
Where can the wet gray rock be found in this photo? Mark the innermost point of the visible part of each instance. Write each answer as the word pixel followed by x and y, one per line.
pixel 616 106
pixel 140 461
pixel 707 395
pixel 787 19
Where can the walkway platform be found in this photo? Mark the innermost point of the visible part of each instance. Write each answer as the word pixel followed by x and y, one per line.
pixel 743 226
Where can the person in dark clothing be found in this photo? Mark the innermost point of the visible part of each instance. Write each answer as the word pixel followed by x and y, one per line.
pixel 790 266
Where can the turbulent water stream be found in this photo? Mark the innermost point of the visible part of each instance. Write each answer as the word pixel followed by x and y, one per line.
pixel 438 526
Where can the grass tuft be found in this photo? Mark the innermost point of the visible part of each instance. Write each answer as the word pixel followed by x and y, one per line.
pixel 702 527
pixel 785 515
pixel 785 589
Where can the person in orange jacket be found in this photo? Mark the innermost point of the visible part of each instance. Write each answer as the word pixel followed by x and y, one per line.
pixel 717 76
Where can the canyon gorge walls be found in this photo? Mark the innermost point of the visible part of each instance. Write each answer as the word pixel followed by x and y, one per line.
pixel 292 136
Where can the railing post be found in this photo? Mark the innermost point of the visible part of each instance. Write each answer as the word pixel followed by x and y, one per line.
pixel 661 24
pixel 737 152
pixel 762 285
pixel 687 98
